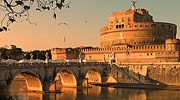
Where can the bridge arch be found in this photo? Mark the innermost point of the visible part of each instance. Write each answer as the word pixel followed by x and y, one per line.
pixel 93 74
pixel 65 77
pixel 31 78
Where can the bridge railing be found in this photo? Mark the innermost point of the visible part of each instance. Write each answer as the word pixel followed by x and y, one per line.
pixel 65 64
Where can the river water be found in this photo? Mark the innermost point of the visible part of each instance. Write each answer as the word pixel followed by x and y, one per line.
pixel 94 93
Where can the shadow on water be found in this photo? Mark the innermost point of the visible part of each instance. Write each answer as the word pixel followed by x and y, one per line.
pixel 94 93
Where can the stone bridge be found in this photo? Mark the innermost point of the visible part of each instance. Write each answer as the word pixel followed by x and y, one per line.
pixel 42 77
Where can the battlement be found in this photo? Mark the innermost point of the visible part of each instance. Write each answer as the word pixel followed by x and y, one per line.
pixel 124 49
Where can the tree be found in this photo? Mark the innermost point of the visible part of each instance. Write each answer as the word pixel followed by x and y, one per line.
pixel 18 10
pixel 3 53
pixel 14 53
pixel 37 54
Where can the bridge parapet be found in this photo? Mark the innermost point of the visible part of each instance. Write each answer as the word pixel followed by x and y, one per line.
pixel 66 64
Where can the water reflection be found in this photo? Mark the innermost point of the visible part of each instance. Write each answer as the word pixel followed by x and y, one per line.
pixel 95 93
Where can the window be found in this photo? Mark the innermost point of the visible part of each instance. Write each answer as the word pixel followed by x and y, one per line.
pixel 117 26
pixel 117 20
pixel 122 25
pixel 129 23
pixel 162 26
pixel 169 26
pixel 122 19
pixel 140 25
pixel 135 26
pixel 146 25
pixel 153 25
pixel 129 19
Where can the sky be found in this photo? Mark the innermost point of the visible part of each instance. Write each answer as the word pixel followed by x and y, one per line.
pixel 85 18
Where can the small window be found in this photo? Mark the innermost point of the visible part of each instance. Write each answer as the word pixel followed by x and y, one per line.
pixel 140 25
pixel 151 54
pixel 162 26
pixel 129 23
pixel 153 25
pixel 122 25
pixel 129 26
pixel 135 26
pixel 122 19
pixel 129 19
pixel 117 26
pixel 169 26
pixel 146 25
pixel 117 20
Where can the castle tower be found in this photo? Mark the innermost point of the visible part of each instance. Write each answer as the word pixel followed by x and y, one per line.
pixel 135 27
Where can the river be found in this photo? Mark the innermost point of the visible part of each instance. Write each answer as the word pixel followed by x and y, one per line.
pixel 94 93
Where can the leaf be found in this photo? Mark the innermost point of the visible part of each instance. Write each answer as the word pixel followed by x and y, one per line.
pixel 26 7
pixel 12 20
pixel 4 28
pixel 19 2
pixel 38 9
pixel 62 1
pixel 59 5
pixel 54 15
pixel 44 7
pixel 1 30
pixel 68 7
pixel 15 15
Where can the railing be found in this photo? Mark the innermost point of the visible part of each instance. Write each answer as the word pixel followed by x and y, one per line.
pixel 65 64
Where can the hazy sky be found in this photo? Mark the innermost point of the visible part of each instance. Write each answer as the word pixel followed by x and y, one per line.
pixel 48 34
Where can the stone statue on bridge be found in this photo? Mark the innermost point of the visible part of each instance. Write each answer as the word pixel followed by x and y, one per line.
pixel 31 56
pixel 80 57
pixel 47 57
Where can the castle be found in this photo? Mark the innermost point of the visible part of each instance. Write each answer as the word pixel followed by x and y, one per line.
pixel 130 37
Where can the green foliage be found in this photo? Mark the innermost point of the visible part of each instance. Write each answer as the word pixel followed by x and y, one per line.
pixel 37 54
pixel 12 53
pixel 17 53
pixel 3 51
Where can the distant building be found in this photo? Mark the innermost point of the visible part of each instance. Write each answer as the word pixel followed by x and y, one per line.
pixel 131 36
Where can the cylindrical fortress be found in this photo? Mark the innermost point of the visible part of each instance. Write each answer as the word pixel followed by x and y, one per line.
pixel 135 28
